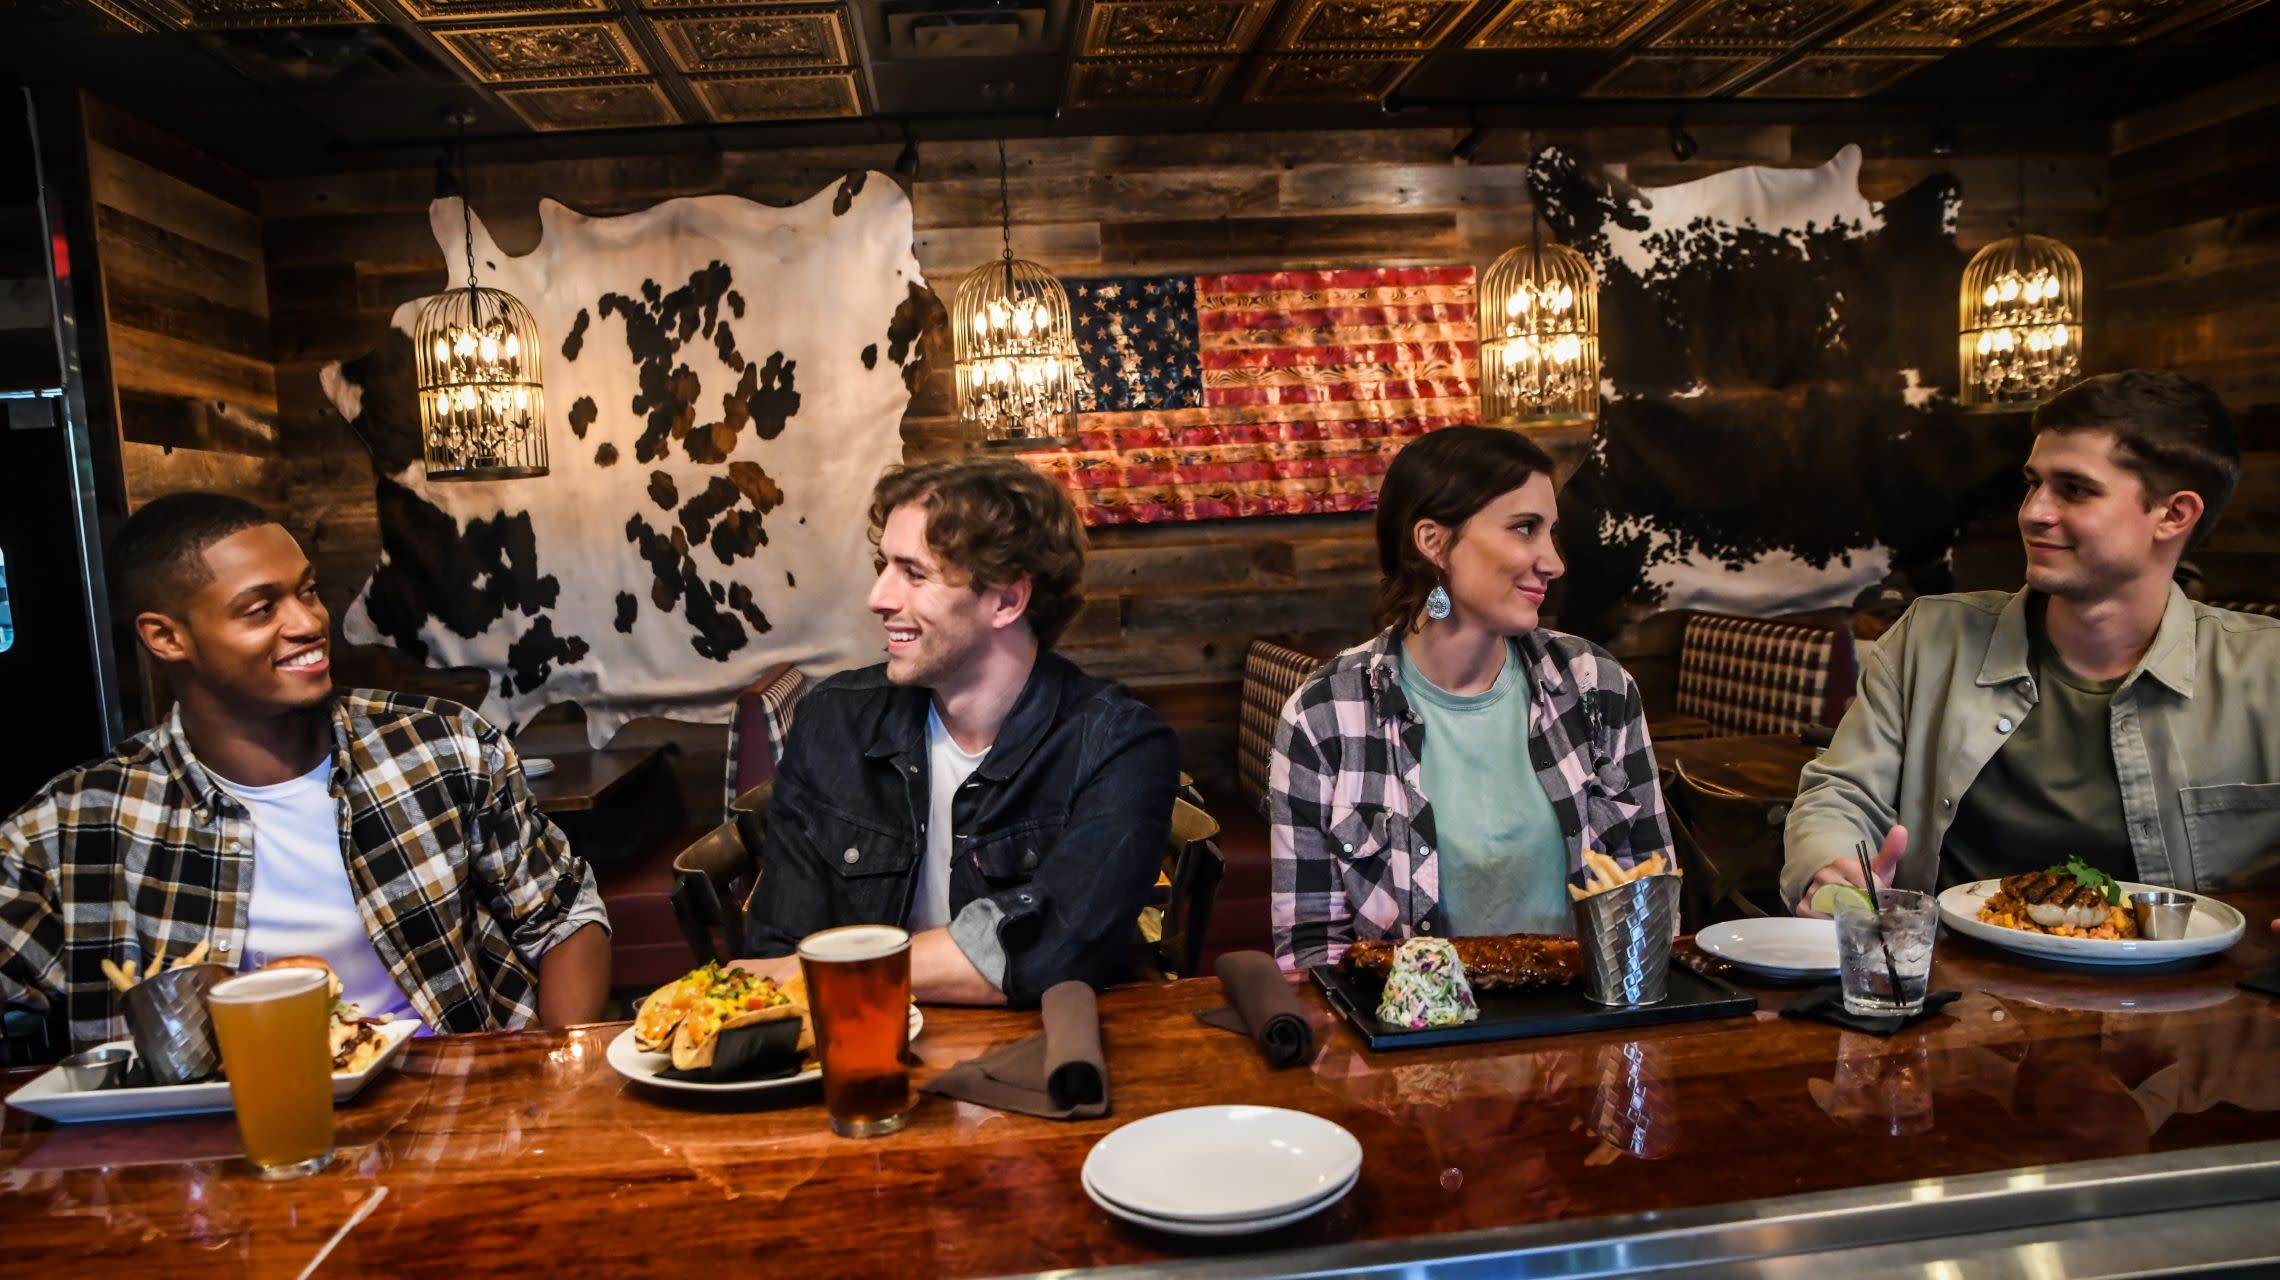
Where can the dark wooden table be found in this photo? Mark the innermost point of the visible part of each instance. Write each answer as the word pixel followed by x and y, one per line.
pixel 1760 766
pixel 524 1153
pixel 582 781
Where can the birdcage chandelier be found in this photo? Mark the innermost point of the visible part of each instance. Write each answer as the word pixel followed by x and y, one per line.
pixel 1539 335
pixel 482 408
pixel 1015 345
pixel 2019 326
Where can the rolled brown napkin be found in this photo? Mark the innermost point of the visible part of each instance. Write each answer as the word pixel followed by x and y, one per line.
pixel 1262 1006
pixel 1059 1073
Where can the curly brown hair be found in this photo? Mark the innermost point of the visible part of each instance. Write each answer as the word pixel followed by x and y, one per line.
pixel 996 520
pixel 1444 476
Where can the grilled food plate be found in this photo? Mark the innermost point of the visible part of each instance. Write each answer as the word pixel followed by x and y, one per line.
pixel 642 1068
pixel 2215 927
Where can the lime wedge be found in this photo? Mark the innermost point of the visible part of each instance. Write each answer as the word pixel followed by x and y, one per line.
pixel 1830 898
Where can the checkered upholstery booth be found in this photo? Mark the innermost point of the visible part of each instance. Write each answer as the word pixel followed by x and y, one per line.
pixel 763 720
pixel 1751 675
pixel 2265 608
pixel 1272 671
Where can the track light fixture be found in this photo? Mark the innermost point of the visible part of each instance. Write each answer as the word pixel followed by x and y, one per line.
pixel 1682 144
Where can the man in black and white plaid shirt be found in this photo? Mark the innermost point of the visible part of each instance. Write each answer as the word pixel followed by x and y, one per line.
pixel 391 835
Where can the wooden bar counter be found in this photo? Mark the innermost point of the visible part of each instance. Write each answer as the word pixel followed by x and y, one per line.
pixel 524 1154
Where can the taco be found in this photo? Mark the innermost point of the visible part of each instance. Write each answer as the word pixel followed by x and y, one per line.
pixel 715 1000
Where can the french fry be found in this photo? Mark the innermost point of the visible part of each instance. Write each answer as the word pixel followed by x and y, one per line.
pixel 157 962
pixel 117 975
pixel 1577 895
pixel 1652 866
pixel 197 954
pixel 1608 871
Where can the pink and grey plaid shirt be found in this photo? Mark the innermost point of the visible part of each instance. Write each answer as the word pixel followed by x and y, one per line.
pixel 1351 826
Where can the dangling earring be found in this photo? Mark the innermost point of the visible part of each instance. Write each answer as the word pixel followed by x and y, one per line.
pixel 1437 604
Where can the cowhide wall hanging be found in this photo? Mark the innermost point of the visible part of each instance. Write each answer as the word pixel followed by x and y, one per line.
pixel 1777 427
pixel 724 383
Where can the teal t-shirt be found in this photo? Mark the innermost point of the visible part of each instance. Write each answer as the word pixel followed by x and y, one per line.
pixel 1503 856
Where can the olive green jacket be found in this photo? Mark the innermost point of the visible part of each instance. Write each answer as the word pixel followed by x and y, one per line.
pixel 2196 730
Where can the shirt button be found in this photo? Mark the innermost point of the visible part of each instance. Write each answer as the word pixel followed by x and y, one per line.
pixel 223 946
pixel 1349 848
pixel 851 857
pixel 2003 725
pixel 1946 803
pixel 914 768
pixel 235 846
pixel 1029 859
pixel 1424 926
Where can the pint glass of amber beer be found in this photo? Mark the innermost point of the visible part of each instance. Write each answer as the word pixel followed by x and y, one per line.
pixel 272 1030
pixel 858 982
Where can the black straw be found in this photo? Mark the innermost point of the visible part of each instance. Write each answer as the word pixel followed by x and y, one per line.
pixel 1876 912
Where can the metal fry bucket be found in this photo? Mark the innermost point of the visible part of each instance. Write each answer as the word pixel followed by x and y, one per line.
pixel 1626 934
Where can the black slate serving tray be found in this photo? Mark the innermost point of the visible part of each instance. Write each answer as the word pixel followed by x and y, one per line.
pixel 1539 1011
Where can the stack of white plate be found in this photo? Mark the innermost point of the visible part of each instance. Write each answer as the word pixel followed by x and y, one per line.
pixel 1222 1171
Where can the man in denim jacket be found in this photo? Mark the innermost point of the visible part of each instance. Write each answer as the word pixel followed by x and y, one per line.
pixel 976 788
pixel 2097 713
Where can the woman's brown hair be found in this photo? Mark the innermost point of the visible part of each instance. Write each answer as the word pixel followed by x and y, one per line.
pixel 1444 476
pixel 996 519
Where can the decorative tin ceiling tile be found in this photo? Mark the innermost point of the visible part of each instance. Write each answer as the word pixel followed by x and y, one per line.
pixel 1566 24
pixel 1770 26
pixel 450 10
pixel 1937 24
pixel 627 105
pixel 1824 75
pixel 765 38
pixel 1328 79
pixel 1125 27
pixel 549 52
pixel 98 15
pixel 1369 26
pixel 2112 22
pixel 1149 82
pixel 1668 76
pixel 220 15
pixel 806 96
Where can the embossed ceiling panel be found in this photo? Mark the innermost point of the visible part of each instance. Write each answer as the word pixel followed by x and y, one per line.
pixel 1770 26
pixel 2105 22
pixel 1369 26
pixel 223 15
pixel 806 96
pixel 554 51
pixel 1824 75
pixel 786 37
pixel 1671 76
pixel 1126 27
pixel 1328 79
pixel 1563 24
pixel 626 105
pixel 1149 82
pixel 1937 24
pixel 453 10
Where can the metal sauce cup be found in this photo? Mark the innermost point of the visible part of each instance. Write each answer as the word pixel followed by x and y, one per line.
pixel 173 1034
pixel 2162 914
pixel 95 1069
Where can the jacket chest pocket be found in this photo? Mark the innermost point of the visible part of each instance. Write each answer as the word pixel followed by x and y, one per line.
pixel 1369 868
pixel 1012 856
pixel 2233 830
pixel 862 854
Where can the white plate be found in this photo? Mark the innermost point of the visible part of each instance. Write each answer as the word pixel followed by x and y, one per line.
pixel 50 1094
pixel 537 766
pixel 642 1068
pixel 1785 946
pixel 2214 928
pixel 1222 1164
pixel 1240 1227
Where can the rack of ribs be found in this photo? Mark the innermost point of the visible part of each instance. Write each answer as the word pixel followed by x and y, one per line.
pixel 1506 961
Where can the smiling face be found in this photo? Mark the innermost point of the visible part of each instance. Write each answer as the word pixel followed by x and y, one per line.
pixel 2090 528
pixel 1503 559
pixel 253 635
pixel 937 623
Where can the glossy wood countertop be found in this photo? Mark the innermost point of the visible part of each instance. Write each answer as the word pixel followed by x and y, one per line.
pixel 525 1154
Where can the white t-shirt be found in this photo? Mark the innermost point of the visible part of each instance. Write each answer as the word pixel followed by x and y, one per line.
pixel 303 904
pixel 947 767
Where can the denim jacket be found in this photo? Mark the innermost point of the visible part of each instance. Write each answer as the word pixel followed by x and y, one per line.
pixel 1059 833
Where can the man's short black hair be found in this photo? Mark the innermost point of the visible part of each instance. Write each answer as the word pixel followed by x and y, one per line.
pixel 2171 432
pixel 159 556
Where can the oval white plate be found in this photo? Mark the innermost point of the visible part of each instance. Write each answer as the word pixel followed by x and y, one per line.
pixel 1241 1227
pixel 49 1094
pixel 2214 928
pixel 1222 1164
pixel 642 1068
pixel 1786 946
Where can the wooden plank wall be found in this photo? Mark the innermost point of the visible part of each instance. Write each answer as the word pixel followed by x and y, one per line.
pixel 2192 283
pixel 1169 609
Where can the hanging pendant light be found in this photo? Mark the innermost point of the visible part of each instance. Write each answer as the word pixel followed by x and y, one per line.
pixel 2019 336
pixel 482 408
pixel 1015 345
pixel 1539 335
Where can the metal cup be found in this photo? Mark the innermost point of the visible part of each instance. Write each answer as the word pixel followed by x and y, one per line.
pixel 1626 935
pixel 2162 914
pixel 173 1034
pixel 95 1069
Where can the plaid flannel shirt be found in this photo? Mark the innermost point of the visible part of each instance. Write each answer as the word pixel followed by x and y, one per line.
pixel 463 884
pixel 1350 825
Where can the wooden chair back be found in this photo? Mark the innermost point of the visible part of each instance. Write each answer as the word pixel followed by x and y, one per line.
pixel 1730 846
pixel 711 880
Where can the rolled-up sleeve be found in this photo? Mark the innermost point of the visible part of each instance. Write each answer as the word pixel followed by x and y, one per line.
pixel 31 933
pixel 541 892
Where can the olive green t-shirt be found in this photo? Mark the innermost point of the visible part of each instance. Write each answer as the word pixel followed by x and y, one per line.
pixel 2050 793
pixel 1503 856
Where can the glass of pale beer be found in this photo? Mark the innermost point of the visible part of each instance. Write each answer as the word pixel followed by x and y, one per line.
pixel 858 985
pixel 272 1030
